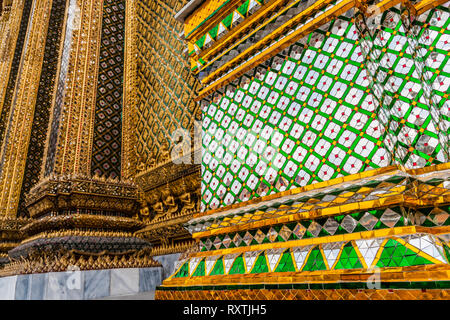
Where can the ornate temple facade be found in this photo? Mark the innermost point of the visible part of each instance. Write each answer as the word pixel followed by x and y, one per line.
pixel 325 164
pixel 249 149
pixel 97 119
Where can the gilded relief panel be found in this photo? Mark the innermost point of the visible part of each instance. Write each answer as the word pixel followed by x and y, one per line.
pixel 164 148
pixel 165 87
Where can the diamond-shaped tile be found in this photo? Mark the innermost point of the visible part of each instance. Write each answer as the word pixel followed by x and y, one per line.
pixel 226 241
pixel 237 239
pixel 272 235
pixel 349 224
pixel 285 233
pixel 331 225
pixel 438 216
pixel 217 243
pixel 299 230
pixel 390 218
pixel 248 238
pixel 259 236
pixel 315 228
pixel 368 221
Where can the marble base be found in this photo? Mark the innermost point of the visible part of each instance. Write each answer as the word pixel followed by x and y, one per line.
pixel 168 263
pixel 82 285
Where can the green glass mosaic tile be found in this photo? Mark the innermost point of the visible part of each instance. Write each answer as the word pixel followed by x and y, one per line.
pixel 218 268
pixel 316 103
pixel 349 258
pixel 286 263
pixel 447 252
pixel 315 261
pixel 238 266
pixel 200 271
pixel 183 272
pixel 260 265
pixel 395 254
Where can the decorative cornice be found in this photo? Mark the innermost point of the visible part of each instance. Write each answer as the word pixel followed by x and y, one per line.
pixel 177 247
pixel 54 195
pixel 12 224
pixel 74 221
pixel 80 185
pixel 166 229
pixel 165 174
pixel 158 173
pixel 51 261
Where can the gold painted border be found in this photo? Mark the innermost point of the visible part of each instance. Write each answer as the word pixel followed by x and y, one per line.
pixel 292 38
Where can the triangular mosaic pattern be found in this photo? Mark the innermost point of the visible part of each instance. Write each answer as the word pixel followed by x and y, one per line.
pixel 409 250
pixel 395 254
pixel 331 252
pixel 428 187
pixel 369 249
pixel 349 258
pixel 230 21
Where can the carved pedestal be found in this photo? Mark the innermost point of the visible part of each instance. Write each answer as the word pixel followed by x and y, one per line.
pixel 82 224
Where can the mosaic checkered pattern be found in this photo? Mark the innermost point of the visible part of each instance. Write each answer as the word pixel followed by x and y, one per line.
pixel 314 114
pixel 408 65
pixel 308 119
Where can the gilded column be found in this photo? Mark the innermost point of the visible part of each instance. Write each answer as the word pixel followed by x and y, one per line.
pixel 130 93
pixel 17 134
pixel 20 64
pixel 14 22
pixel 82 206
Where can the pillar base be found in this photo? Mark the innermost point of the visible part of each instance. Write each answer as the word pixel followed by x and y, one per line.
pixel 82 285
